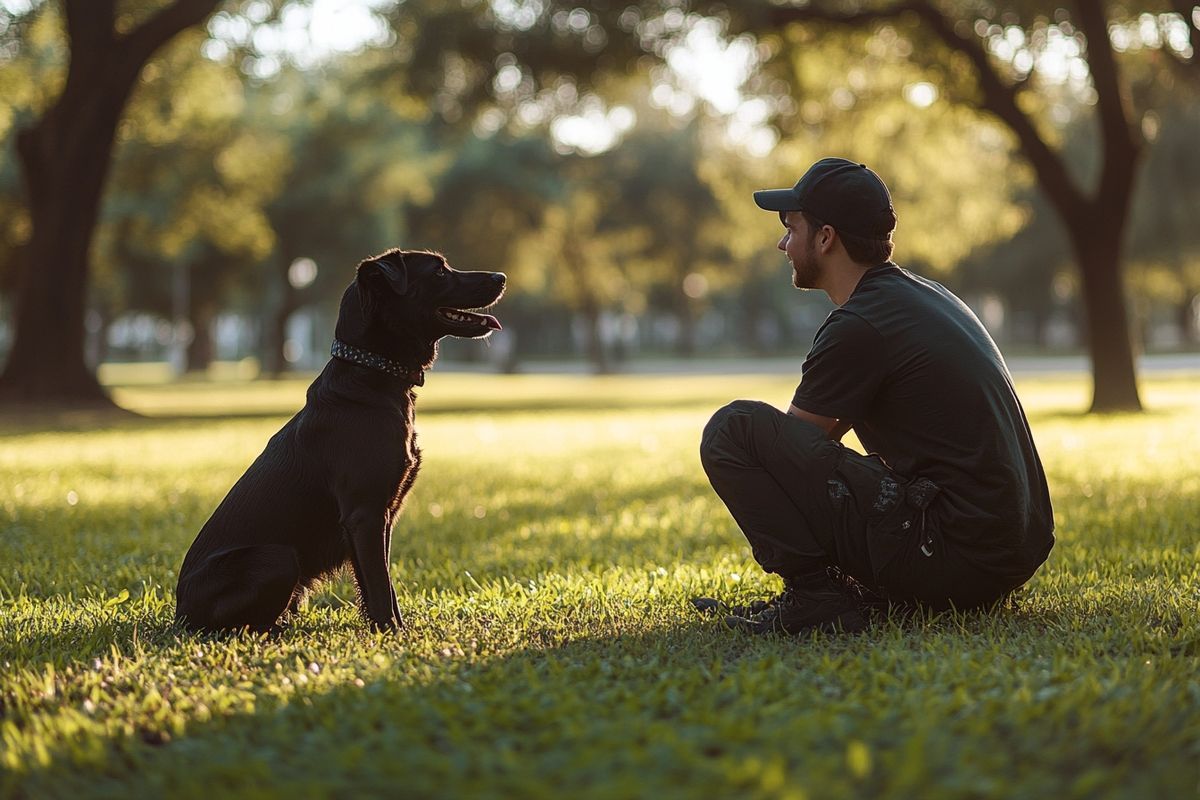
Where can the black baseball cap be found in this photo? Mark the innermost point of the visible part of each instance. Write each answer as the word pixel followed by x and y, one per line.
pixel 841 193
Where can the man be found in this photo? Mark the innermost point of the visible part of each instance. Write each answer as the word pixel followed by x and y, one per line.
pixel 951 508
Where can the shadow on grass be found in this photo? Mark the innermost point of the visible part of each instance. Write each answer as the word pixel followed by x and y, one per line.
pixel 37 422
pixel 48 420
pixel 556 713
pixel 493 406
pixel 24 424
pixel 1156 412
pixel 28 423
pixel 47 539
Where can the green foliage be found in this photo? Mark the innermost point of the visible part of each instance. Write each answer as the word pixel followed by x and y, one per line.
pixel 1164 240
pixel 544 562
pixel 490 199
pixel 33 61
pixel 666 194
pixel 952 170
pixel 189 184
pixel 441 139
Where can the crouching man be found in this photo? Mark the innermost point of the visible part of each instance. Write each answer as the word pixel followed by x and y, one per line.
pixel 951 508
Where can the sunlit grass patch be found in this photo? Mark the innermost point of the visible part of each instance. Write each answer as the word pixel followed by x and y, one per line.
pixel 544 563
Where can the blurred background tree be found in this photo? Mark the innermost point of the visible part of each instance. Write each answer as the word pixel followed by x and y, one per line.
pixel 1027 67
pixel 195 160
pixel 1015 61
pixel 184 221
pixel 65 153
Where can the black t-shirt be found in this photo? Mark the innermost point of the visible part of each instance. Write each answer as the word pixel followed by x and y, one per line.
pixel 928 391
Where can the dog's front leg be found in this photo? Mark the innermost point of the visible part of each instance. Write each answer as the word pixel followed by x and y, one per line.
pixel 367 532
pixel 387 556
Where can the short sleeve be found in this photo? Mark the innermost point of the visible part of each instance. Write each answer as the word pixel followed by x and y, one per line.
pixel 844 370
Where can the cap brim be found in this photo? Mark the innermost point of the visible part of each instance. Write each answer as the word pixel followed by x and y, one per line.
pixel 777 200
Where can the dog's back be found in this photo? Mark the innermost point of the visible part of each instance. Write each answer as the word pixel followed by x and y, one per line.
pixel 325 490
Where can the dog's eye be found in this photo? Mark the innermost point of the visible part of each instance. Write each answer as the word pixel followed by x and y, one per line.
pixel 441 273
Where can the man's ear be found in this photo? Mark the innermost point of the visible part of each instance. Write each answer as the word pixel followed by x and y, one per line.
pixel 830 233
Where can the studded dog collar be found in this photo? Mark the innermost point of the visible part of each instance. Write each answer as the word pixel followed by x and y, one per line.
pixel 365 358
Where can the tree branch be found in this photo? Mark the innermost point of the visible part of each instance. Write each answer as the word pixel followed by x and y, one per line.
pixel 90 31
pixel 998 96
pixel 1120 141
pixel 89 21
pixel 140 44
pixel 782 15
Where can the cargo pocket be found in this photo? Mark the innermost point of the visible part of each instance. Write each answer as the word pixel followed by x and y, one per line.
pixel 893 527
pixel 892 509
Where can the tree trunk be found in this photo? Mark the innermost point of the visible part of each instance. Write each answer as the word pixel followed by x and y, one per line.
pixel 1095 222
pixel 201 350
pixel 65 158
pixel 275 362
pixel 1107 328
pixel 1039 320
pixel 752 308
pixel 521 327
pixel 96 338
pixel 1097 225
pixel 686 314
pixel 594 341
pixel 588 303
pixel 272 363
pixel 1185 314
pixel 511 363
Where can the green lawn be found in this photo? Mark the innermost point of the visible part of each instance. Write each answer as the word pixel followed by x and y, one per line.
pixel 544 563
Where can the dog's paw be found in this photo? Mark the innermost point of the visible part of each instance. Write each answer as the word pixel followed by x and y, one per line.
pixel 390 624
pixel 708 605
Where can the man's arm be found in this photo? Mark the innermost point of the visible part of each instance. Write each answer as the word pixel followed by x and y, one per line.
pixel 834 428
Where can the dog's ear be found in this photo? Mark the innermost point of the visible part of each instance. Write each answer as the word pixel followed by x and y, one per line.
pixel 396 275
pixel 371 277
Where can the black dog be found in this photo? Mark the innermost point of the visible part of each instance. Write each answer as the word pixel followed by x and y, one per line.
pixel 331 482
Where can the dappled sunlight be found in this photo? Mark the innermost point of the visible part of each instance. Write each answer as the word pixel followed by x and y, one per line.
pixel 543 565
pixel 247 155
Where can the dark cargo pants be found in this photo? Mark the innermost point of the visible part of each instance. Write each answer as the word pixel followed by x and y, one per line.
pixel 804 502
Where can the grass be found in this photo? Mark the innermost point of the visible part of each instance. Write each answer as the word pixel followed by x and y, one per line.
pixel 544 562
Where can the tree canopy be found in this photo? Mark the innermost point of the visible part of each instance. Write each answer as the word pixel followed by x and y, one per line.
pixel 604 156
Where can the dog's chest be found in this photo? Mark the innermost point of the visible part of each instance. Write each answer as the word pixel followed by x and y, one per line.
pixel 410 464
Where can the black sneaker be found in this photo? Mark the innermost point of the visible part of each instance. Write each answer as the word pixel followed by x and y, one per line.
pixel 816 604
pixel 711 606
pixel 756 606
pixel 868 600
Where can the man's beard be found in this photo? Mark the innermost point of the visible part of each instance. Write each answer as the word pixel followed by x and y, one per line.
pixel 805 269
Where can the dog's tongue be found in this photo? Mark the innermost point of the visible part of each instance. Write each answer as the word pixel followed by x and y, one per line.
pixel 490 321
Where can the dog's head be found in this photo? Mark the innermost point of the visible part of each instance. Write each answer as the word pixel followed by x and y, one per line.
pixel 403 301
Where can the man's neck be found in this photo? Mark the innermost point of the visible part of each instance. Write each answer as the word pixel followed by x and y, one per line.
pixel 843 280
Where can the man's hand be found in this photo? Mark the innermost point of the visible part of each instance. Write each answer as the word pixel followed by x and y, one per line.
pixel 834 428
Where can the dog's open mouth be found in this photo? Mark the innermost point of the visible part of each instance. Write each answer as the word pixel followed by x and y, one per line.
pixel 468 319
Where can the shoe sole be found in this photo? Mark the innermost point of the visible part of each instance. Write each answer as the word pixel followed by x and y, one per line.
pixel 710 606
pixel 848 623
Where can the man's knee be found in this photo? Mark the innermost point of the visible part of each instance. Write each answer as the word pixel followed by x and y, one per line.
pixel 727 434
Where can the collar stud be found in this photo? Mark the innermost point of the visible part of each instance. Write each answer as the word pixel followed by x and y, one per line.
pixel 365 358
